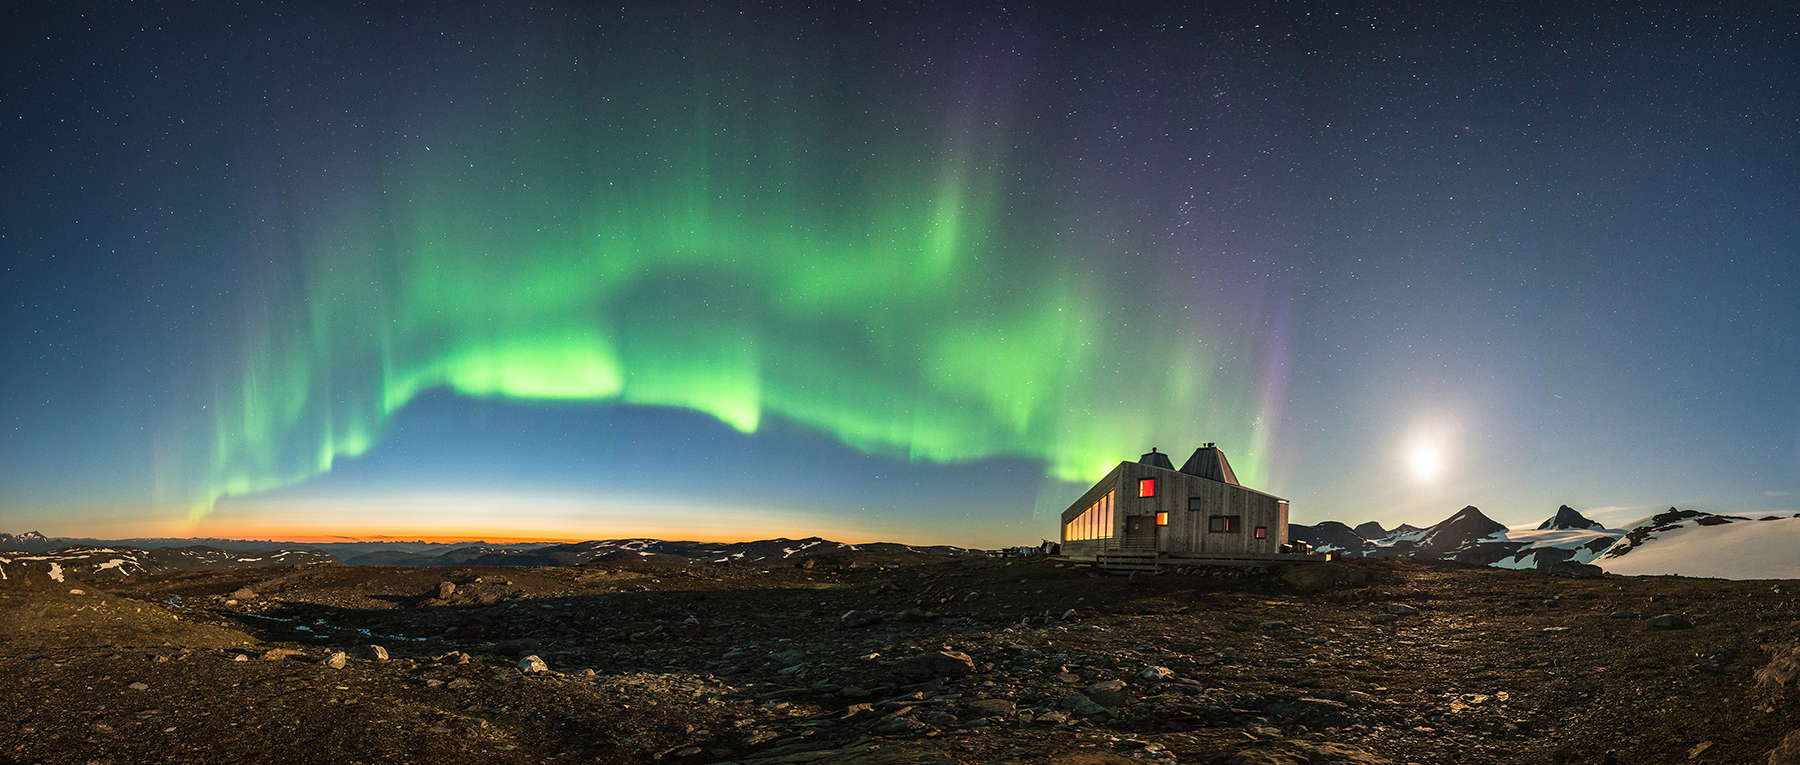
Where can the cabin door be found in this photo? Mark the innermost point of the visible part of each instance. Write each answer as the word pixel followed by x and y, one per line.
pixel 1140 532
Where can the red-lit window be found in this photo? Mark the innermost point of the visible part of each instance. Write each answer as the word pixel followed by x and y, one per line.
pixel 1147 487
pixel 1262 532
pixel 1162 519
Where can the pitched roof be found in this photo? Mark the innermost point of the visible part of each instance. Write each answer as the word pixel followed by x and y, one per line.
pixel 1209 462
pixel 1156 459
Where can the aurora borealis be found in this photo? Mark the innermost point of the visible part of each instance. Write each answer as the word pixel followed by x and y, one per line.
pixel 255 255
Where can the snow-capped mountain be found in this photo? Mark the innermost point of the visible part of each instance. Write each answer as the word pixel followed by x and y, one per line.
pixel 1566 518
pixel 30 540
pixel 1468 536
pixel 1695 543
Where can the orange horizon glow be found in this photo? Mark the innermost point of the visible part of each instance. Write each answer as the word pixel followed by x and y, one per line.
pixel 512 518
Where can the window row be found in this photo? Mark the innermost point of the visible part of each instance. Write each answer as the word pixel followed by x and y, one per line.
pixel 1096 522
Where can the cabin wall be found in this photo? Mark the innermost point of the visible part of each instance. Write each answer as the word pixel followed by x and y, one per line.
pixel 1189 531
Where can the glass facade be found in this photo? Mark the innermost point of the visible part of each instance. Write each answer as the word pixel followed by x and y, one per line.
pixel 1096 522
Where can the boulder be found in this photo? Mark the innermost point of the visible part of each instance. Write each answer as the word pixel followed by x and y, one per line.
pixel 242 593
pixel 1108 693
pixel 1401 609
pixel 1080 704
pixel 336 659
pixel 1155 675
pixel 935 665
pixel 532 665
pixel 1668 622
pixel 1783 666
pixel 375 652
pixel 446 590
pixel 1317 577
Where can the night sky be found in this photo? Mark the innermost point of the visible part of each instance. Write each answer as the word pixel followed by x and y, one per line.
pixel 916 274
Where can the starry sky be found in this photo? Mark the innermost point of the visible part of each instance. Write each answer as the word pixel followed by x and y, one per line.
pixel 915 273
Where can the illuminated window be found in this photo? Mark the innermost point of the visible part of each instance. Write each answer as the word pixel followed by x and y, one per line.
pixel 1193 503
pixel 1147 487
pixel 1162 519
pixel 1095 522
pixel 1223 524
pixel 1262 532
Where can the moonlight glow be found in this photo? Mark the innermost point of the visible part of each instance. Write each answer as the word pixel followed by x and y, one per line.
pixel 1425 461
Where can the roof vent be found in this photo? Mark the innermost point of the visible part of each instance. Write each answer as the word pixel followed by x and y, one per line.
pixel 1156 459
pixel 1210 463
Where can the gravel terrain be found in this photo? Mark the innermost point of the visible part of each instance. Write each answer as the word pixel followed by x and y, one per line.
pixel 897 660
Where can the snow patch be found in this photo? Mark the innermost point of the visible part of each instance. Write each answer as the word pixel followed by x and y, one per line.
pixel 56 572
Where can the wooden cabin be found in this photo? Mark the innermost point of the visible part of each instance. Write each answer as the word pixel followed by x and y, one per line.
pixel 1149 508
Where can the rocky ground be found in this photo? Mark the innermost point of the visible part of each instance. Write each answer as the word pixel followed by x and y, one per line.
pixel 972 661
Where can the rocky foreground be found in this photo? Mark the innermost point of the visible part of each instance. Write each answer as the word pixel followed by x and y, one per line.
pixel 973 661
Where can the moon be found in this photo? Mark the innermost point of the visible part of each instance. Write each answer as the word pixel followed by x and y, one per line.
pixel 1426 461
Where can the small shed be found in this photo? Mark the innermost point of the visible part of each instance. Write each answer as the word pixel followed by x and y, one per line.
pixel 1149 508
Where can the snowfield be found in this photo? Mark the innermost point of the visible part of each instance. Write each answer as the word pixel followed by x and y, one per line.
pixel 1742 549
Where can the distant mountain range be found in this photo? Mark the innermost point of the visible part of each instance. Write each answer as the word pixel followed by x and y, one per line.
pixel 765 552
pixel 63 561
pixel 1684 542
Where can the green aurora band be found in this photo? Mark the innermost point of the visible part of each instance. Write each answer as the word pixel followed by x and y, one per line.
pixel 910 291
